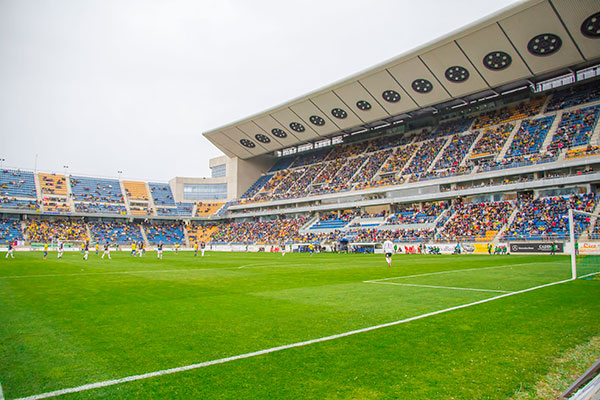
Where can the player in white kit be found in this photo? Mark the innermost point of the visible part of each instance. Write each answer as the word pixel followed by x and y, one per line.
pixel 61 249
pixel 106 251
pixel 388 249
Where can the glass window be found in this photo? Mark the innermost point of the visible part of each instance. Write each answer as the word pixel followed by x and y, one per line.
pixel 218 171
pixel 205 191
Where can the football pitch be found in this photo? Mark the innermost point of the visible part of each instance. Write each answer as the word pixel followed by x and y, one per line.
pixel 262 326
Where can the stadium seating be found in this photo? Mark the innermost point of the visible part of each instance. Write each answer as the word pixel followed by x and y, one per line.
pixel 167 233
pixel 585 152
pixel 17 183
pixel 451 127
pixel 205 210
pixel 409 215
pixel 477 221
pixel 200 233
pixel 56 206
pixel 424 157
pixel 530 136
pixel 141 210
pixel 115 232
pixel 256 186
pixel 10 231
pixel 96 190
pixel 161 194
pixel 15 204
pixel 491 141
pixel 574 96
pixel 46 231
pixel 266 232
pixel 575 128
pixel 371 166
pixel 135 190
pixel 547 218
pixel 53 184
pixel 508 114
pixel 100 208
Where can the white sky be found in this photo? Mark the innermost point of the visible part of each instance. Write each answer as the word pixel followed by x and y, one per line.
pixel 108 85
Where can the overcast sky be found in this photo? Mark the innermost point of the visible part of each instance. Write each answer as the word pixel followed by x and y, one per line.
pixel 108 85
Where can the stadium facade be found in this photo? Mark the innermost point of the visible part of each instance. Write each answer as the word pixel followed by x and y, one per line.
pixel 493 123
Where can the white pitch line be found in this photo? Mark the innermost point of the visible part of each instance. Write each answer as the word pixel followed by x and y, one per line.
pixel 1 394
pixel 441 287
pixel 592 274
pixel 169 371
pixel 449 272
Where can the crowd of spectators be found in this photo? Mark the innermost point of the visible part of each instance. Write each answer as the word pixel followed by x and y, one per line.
pixel 456 151
pixel 508 114
pixel 372 166
pixel 477 220
pixel 100 208
pixel 167 233
pixel 530 136
pixel 16 204
pixel 10 231
pixel 260 232
pixel 575 128
pixel 492 140
pixel 574 96
pixel 547 218
pixel 426 214
pixel 17 183
pixel 96 190
pixel 48 231
pixel 424 157
pixel 115 232
pixel 53 184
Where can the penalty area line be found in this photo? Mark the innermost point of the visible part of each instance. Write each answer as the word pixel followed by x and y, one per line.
pixel 169 371
pixel 1 394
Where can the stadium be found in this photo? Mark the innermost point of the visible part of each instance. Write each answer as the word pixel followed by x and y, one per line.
pixel 477 156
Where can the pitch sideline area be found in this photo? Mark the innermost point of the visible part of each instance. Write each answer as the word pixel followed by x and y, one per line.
pixel 341 290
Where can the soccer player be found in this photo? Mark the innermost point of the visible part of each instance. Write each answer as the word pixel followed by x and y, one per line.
pixel 311 249
pixel 159 250
pixel 11 250
pixel 195 249
pixel 45 250
pixel 86 250
pixel 388 249
pixel 176 248
pixel 132 249
pixel 202 248
pixel 97 248
pixel 60 249
pixel 140 248
pixel 106 251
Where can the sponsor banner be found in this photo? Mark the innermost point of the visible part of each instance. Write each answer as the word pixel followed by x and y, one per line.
pixel 589 247
pixel 536 247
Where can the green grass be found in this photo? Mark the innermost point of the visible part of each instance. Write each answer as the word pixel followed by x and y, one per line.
pixel 65 323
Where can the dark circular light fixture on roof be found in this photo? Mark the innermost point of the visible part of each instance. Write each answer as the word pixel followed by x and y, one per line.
pixel 544 44
pixel 278 133
pixel 497 60
pixel 591 26
pixel 422 86
pixel 457 74
pixel 391 96
pixel 339 113
pixel 297 126
pixel 262 138
pixel 316 120
pixel 248 143
pixel 363 105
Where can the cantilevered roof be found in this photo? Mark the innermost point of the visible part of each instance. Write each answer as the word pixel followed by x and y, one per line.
pixel 527 40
